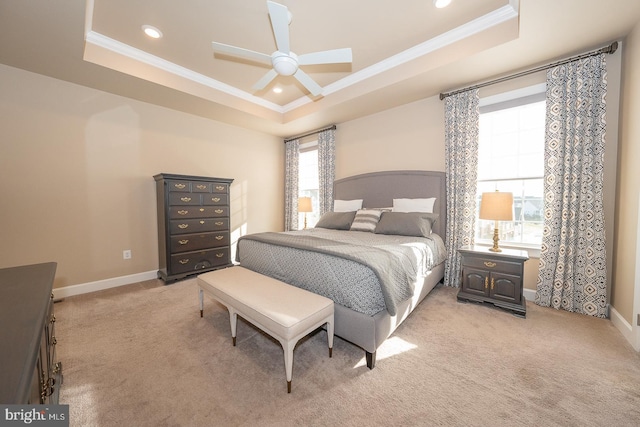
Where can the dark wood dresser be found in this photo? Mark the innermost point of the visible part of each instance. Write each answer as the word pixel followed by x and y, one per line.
pixel 29 371
pixel 494 278
pixel 193 225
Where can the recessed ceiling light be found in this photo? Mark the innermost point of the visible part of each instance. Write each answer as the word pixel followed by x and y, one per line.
pixel 277 90
pixel 152 31
pixel 441 3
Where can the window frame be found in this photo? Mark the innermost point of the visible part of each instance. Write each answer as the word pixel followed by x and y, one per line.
pixel 505 100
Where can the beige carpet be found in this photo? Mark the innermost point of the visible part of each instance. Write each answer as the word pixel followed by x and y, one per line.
pixel 140 355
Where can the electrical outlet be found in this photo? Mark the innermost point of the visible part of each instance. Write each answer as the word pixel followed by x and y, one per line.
pixel 126 254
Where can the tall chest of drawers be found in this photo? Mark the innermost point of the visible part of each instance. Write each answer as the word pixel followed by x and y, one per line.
pixel 193 225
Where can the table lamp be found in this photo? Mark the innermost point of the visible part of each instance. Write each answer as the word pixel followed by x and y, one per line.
pixel 304 205
pixel 496 206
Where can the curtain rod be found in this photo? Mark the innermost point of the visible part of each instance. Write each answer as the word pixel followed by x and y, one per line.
pixel 608 49
pixel 310 133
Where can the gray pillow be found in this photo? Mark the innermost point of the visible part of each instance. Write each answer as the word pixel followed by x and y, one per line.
pixel 336 220
pixel 406 223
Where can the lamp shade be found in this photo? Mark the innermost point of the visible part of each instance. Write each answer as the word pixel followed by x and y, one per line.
pixel 304 204
pixel 497 206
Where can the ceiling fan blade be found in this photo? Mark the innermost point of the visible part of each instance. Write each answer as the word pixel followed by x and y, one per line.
pixel 265 80
pixel 308 82
pixel 335 56
pixel 241 53
pixel 280 23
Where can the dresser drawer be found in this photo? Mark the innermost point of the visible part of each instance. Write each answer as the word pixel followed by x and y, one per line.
pixel 201 187
pixel 192 242
pixel 489 264
pixel 188 199
pixel 194 225
pixel 186 212
pixel 199 260
pixel 217 187
pixel 174 185
pixel 215 199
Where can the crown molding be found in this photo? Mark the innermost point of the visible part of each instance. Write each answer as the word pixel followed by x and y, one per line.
pixel 493 18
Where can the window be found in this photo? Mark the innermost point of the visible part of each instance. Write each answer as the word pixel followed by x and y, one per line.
pixel 308 183
pixel 511 159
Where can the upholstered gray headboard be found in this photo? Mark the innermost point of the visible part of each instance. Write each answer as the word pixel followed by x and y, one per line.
pixel 378 189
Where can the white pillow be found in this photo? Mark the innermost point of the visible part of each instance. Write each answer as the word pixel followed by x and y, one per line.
pixel 347 205
pixel 414 205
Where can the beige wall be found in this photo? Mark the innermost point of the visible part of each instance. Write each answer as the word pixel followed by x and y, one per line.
pixel 625 287
pixel 76 175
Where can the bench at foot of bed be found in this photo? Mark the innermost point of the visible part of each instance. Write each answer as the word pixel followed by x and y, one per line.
pixel 283 311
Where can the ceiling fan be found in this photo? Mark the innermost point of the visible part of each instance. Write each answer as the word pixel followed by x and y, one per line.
pixel 283 60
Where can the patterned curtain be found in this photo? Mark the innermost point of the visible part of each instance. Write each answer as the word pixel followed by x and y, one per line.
pixel 572 259
pixel 292 151
pixel 462 125
pixel 326 169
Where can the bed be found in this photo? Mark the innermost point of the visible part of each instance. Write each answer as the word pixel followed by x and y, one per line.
pixel 373 296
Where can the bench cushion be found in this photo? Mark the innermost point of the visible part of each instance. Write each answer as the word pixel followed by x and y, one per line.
pixel 285 310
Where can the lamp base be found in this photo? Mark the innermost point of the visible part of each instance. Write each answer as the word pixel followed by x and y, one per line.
pixel 495 247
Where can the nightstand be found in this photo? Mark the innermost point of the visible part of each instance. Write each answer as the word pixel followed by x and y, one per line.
pixel 493 278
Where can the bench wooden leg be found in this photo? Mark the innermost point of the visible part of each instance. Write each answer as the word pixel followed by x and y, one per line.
pixel 288 347
pixel 201 296
pixel 233 319
pixel 330 337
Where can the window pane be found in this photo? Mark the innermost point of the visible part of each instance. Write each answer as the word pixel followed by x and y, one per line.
pixel 511 159
pixel 308 186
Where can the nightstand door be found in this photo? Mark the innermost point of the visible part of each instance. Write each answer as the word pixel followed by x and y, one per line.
pixel 506 287
pixel 475 281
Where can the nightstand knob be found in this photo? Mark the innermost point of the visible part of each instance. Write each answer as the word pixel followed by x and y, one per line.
pixel 489 264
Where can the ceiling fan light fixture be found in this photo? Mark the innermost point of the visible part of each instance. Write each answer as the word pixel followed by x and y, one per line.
pixel 152 31
pixel 285 65
pixel 441 3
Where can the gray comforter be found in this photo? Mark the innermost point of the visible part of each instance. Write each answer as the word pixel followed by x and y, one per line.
pixel 364 271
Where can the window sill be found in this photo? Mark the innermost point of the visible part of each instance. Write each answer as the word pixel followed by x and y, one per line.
pixel 532 250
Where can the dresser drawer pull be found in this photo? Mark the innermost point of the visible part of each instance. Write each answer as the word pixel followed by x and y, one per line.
pixel 215 199
pixel 219 187
pixel 201 222
pixel 185 199
pixel 201 187
pixel 54 341
pixel 218 211
pixel 219 237
pixel 183 226
pixel 184 261
pixel 179 186
pixel 218 223
pixel 183 212
pixel 183 242
pixel 489 264
pixel 53 318
pixel 201 209
pixel 486 282
pixel 220 255
pixel 493 282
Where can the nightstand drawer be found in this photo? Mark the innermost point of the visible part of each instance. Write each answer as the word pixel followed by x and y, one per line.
pixel 492 264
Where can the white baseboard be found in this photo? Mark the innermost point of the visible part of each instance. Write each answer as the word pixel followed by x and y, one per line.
pixel 625 328
pixel 529 294
pixel 100 285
